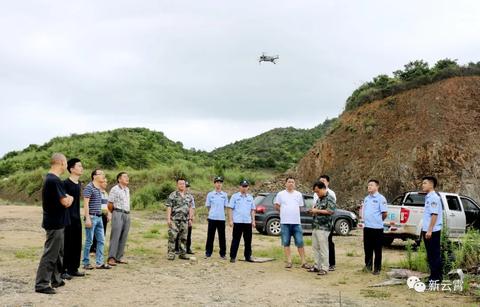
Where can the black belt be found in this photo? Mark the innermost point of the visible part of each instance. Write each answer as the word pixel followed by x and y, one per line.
pixel 120 210
pixel 96 214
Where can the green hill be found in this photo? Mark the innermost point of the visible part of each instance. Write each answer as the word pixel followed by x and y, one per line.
pixel 279 148
pixel 134 148
pixel 154 161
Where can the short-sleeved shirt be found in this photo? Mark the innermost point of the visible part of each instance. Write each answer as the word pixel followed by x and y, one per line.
pixel 54 213
pixel 324 221
pixel 290 203
pixel 373 206
pixel 330 192
pixel 95 199
pixel 120 198
pixel 180 205
pixel 73 189
pixel 216 201
pixel 242 206
pixel 433 205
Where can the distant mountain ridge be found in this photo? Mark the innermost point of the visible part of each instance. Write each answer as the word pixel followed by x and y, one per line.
pixel 141 148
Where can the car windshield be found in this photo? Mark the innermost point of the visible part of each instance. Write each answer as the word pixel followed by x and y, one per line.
pixel 415 200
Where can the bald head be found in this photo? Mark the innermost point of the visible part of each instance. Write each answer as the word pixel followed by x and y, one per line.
pixel 58 163
pixel 57 159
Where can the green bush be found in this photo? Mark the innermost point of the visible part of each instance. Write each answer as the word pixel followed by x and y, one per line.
pixel 414 75
pixel 467 255
pixel 147 196
pixel 416 261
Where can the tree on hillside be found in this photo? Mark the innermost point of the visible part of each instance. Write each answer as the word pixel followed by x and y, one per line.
pixel 413 70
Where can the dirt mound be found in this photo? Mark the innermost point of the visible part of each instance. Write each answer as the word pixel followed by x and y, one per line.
pixel 430 130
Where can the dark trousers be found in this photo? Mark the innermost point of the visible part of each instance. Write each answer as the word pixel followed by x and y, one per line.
pixel 214 226
pixel 372 242
pixel 94 242
pixel 189 240
pixel 72 246
pixel 50 266
pixel 434 255
pixel 331 250
pixel 240 229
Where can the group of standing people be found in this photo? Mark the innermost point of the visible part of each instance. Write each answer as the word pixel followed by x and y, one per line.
pixel 62 222
pixel 241 218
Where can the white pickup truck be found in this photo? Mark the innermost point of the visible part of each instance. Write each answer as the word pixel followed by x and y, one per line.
pixel 404 216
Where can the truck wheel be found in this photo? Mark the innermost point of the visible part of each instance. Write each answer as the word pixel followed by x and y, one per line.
pixel 342 227
pixel 387 241
pixel 273 227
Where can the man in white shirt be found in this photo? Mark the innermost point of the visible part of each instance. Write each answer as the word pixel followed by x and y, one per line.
pixel 288 202
pixel 331 245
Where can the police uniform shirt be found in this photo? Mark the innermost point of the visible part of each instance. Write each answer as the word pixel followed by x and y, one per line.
pixel 373 206
pixel 242 205
pixel 433 205
pixel 216 201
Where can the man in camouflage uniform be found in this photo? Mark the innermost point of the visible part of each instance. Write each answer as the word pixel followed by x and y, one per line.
pixel 179 214
pixel 322 224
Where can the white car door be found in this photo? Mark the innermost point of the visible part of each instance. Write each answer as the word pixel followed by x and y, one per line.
pixel 454 215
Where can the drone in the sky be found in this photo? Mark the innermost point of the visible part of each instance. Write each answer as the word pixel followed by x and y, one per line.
pixel 267 58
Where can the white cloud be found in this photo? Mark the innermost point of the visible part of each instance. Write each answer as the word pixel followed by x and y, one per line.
pixel 189 68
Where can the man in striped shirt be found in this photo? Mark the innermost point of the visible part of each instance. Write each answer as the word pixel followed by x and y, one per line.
pixel 92 204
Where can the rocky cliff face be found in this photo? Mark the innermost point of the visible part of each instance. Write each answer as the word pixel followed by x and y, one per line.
pixel 434 130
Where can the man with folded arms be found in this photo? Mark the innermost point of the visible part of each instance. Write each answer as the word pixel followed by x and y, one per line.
pixel 54 202
pixel 73 231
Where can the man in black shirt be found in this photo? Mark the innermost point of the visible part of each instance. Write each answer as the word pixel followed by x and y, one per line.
pixel 54 202
pixel 73 230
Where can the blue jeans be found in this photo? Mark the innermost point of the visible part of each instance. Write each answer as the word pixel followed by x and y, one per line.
pixel 97 230
pixel 289 230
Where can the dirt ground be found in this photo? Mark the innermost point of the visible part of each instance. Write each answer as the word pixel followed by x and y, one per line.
pixel 150 279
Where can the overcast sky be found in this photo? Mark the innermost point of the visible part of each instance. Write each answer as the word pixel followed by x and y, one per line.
pixel 189 68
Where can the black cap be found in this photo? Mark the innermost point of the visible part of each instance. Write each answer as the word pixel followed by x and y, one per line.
pixel 187 184
pixel 244 183
pixel 218 178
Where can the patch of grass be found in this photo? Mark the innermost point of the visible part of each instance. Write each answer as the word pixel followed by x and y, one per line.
pixel 353 254
pixel 387 265
pixel 307 241
pixel 274 252
pixel 136 223
pixel 375 293
pixel 142 251
pixel 343 280
pixel 26 253
pixel 467 254
pixel 155 231
pixel 416 261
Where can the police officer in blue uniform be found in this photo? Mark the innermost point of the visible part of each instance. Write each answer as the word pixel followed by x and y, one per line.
pixel 374 212
pixel 432 227
pixel 216 202
pixel 241 216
